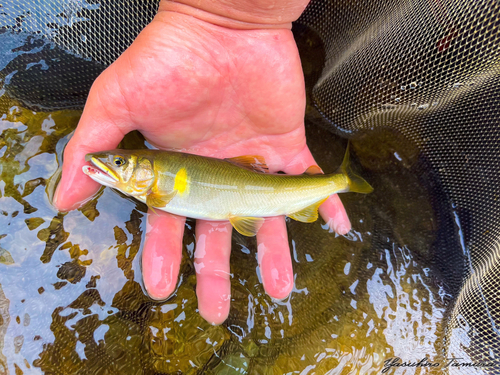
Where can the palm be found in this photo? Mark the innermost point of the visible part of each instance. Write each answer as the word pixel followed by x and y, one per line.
pixel 221 96
pixel 211 91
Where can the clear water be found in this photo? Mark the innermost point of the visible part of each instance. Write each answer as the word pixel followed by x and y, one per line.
pixel 71 300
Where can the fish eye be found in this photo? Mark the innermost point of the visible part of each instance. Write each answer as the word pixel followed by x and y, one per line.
pixel 118 161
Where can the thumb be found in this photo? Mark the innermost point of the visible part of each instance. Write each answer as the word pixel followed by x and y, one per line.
pixel 96 131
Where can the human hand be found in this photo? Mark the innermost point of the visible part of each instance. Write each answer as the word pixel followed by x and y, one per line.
pixel 202 88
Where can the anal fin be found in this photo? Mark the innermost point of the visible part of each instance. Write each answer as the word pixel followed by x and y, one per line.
pixel 308 214
pixel 247 226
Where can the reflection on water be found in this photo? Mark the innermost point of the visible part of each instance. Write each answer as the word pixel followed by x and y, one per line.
pixel 71 300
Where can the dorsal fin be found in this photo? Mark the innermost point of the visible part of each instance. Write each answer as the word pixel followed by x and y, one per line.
pixel 308 214
pixel 253 162
pixel 313 169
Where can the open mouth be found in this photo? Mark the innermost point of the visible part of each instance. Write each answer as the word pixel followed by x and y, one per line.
pixel 100 173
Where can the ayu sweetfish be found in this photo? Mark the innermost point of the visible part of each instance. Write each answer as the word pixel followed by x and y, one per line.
pixel 236 189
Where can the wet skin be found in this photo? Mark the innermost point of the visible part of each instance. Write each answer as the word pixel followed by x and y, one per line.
pixel 198 87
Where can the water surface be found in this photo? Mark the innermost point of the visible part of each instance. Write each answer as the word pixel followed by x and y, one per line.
pixel 71 300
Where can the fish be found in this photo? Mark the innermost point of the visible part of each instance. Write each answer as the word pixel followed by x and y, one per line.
pixel 237 189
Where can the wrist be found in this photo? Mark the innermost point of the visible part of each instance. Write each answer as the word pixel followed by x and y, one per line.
pixel 239 14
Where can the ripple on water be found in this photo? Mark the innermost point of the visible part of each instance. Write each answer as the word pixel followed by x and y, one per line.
pixel 72 300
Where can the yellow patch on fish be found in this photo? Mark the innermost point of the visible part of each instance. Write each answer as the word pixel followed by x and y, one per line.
pixel 181 183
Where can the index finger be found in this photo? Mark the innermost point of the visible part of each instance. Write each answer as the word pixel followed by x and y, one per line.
pixel 96 131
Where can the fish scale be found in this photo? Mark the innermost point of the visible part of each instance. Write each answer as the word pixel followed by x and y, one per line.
pixel 219 189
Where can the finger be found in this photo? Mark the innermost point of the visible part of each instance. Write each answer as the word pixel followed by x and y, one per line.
pixel 211 260
pixel 334 214
pixel 96 131
pixel 162 253
pixel 273 254
pixel 332 210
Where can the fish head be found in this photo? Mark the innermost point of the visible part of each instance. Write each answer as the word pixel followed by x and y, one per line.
pixel 124 170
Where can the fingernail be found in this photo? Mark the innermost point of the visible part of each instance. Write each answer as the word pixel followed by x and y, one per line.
pixel 342 229
pixel 278 277
pixel 158 272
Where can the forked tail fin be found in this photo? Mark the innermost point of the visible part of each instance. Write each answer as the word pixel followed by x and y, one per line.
pixel 355 183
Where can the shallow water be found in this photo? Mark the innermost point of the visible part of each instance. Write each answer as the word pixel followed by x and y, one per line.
pixel 71 300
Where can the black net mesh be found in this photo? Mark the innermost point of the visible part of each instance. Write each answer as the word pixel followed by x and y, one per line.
pixel 64 45
pixel 428 70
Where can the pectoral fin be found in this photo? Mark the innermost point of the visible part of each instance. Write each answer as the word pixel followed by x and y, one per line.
pixel 308 214
pixel 247 226
pixel 159 200
pixel 253 162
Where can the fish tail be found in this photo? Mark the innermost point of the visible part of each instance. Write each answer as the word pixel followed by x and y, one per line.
pixel 355 183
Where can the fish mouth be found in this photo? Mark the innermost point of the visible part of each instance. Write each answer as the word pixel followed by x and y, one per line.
pixel 101 174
